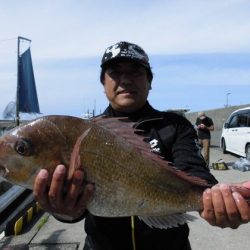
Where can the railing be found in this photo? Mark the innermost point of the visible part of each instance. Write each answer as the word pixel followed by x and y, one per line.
pixel 17 208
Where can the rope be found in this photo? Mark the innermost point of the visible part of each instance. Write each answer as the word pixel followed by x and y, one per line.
pixel 133 231
pixel 9 39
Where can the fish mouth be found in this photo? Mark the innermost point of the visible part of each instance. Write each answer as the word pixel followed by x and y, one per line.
pixel 3 171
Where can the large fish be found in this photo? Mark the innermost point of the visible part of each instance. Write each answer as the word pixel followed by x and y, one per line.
pixel 129 179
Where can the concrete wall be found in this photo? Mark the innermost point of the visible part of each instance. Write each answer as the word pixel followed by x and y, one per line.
pixel 219 116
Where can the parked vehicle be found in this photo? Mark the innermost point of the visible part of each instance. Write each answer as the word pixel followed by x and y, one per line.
pixel 235 137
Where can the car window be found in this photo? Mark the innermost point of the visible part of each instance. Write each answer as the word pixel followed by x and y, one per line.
pixel 233 123
pixel 248 119
pixel 242 120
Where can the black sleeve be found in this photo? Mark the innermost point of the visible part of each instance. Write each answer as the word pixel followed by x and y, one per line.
pixel 211 122
pixel 180 146
pixel 197 122
pixel 66 219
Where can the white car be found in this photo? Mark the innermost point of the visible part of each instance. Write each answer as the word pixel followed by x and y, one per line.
pixel 235 137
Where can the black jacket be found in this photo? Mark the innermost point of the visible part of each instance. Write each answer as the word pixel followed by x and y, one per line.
pixel 176 140
pixel 204 133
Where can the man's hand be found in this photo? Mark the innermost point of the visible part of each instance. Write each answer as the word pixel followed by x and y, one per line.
pixel 202 126
pixel 224 207
pixel 55 198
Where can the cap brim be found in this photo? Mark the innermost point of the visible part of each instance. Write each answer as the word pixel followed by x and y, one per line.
pixel 124 59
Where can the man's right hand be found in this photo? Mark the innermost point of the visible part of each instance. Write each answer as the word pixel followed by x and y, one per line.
pixel 55 199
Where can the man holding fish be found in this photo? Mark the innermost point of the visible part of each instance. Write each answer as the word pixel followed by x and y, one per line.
pixel 127 79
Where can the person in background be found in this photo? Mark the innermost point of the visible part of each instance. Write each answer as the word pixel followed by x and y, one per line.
pixel 126 77
pixel 204 125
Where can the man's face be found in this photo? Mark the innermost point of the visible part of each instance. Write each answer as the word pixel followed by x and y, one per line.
pixel 126 86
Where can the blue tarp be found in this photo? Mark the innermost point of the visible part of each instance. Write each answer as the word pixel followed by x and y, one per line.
pixel 28 101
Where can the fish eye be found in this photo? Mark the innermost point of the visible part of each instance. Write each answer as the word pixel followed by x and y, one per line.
pixel 23 147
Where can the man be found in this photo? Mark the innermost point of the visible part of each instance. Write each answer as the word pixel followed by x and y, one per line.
pixel 126 77
pixel 204 125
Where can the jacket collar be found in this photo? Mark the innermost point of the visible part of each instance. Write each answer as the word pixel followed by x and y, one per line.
pixel 147 111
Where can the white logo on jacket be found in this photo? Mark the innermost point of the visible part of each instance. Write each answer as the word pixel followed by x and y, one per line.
pixel 154 146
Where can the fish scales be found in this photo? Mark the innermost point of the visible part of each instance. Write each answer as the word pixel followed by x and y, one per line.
pixel 128 178
pixel 120 170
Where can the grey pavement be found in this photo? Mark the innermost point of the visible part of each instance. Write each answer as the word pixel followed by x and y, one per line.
pixel 47 233
pixel 206 237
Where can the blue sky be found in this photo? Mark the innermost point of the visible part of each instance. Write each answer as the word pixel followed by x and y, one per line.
pixel 199 50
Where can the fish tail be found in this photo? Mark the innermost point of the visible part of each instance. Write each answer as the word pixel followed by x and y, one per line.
pixel 244 191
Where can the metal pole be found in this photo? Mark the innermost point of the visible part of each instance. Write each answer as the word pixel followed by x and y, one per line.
pixel 23 38
pixel 18 75
pixel 227 99
pixel 17 91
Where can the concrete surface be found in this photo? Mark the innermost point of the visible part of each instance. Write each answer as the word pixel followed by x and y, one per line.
pixel 48 233
pixel 206 237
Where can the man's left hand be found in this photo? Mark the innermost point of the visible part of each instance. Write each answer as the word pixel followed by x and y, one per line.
pixel 224 207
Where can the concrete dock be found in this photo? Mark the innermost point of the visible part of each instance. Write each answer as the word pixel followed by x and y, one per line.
pixel 47 233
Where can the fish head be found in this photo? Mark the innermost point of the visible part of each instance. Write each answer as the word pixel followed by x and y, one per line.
pixel 26 149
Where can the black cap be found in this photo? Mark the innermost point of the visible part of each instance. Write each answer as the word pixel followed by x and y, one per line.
pixel 125 51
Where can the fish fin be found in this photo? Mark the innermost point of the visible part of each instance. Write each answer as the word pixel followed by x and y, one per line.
pixel 75 160
pixel 169 221
pixel 114 122
pixel 133 134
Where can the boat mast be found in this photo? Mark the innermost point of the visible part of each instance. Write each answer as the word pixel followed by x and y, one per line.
pixel 18 72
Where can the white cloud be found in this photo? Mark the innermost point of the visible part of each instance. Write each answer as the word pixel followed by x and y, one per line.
pixel 73 29
pixel 85 28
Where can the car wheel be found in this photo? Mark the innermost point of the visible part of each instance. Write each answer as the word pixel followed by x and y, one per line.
pixel 248 152
pixel 223 145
